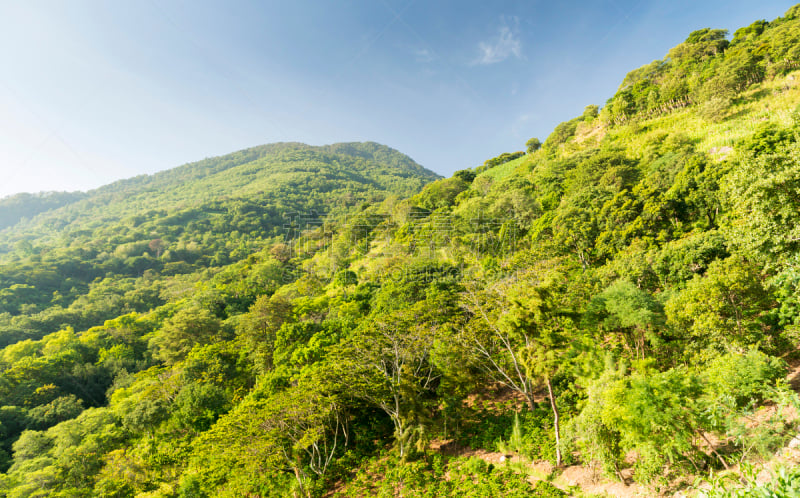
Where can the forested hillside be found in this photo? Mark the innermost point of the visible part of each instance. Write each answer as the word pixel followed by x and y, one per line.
pixel 105 253
pixel 615 310
pixel 15 208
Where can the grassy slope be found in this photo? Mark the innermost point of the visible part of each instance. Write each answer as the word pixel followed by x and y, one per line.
pixel 770 102
pixel 506 169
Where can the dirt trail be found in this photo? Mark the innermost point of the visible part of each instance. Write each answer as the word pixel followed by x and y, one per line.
pixel 588 480
pixel 794 375
pixel 592 482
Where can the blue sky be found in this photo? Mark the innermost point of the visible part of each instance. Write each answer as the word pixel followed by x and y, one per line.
pixel 95 91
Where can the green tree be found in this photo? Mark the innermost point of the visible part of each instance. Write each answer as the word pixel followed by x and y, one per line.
pixel 190 326
pixel 389 364
pixel 532 145
pixel 764 194
pixel 624 309
pixel 260 326
pixel 197 406
pixel 656 414
pixel 723 310
pixel 301 429
pixel 522 341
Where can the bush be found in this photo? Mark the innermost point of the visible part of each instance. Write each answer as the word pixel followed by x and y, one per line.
pixel 715 109
pixel 784 484
pixel 532 145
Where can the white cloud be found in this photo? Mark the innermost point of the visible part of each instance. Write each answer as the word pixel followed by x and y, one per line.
pixel 505 45
pixel 424 55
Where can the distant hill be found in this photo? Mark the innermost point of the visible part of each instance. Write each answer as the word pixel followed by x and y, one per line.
pixel 271 178
pixel 16 207
pixel 204 214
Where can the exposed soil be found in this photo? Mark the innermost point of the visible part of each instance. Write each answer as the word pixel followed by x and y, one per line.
pixel 497 397
pixel 794 374
pixel 589 479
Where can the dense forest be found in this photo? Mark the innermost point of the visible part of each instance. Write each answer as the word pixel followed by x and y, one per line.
pixel 614 310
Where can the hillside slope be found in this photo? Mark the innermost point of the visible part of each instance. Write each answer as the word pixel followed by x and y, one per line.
pixel 16 207
pixel 346 173
pixel 205 214
pixel 618 306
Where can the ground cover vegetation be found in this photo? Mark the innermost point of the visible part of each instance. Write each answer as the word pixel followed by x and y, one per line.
pixel 622 297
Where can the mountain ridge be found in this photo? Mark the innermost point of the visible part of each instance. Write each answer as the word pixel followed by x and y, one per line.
pixel 234 174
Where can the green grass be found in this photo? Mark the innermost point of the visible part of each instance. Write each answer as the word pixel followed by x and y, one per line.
pixel 767 102
pixel 506 169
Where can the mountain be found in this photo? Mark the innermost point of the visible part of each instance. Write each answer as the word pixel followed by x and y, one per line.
pixel 268 175
pixel 204 214
pixel 611 312
pixel 17 207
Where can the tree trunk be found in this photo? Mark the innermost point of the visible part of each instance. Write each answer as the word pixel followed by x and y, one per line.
pixel 531 402
pixel 402 429
pixel 400 436
pixel 299 479
pixel 555 421
pixel 711 446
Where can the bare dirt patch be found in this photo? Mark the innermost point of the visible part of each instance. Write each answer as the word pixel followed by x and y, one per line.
pixel 591 481
pixel 496 398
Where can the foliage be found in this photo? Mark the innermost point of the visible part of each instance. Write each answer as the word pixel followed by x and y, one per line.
pixel 291 320
pixel 724 309
pixel 466 477
pixel 532 145
pixel 785 483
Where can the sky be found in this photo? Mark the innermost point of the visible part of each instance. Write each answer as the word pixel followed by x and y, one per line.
pixel 96 91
